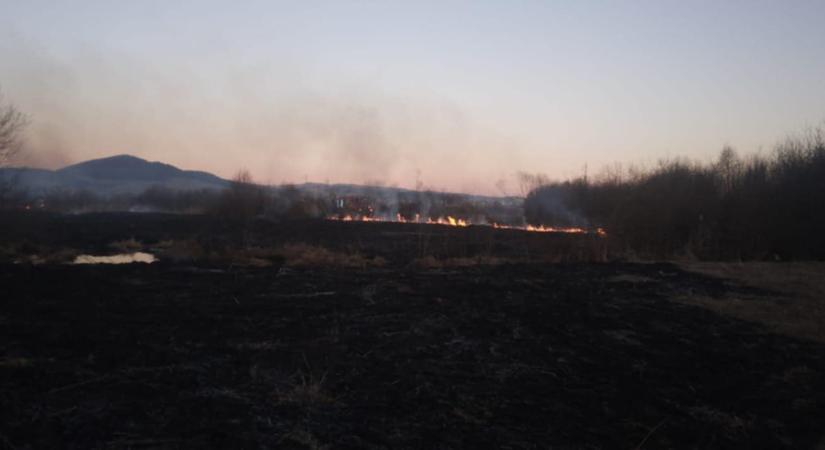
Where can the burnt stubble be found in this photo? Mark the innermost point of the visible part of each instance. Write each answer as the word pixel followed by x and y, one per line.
pixel 520 353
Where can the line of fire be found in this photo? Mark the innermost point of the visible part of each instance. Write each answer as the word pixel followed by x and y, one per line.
pixel 456 211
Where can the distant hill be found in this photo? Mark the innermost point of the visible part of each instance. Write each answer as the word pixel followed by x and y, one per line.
pixel 122 174
pixel 126 174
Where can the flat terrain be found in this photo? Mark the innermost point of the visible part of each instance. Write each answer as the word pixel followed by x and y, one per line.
pixel 418 349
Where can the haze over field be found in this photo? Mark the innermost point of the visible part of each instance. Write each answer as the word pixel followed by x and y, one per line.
pixel 456 96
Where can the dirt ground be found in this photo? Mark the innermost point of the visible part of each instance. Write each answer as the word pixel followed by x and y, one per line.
pixel 520 353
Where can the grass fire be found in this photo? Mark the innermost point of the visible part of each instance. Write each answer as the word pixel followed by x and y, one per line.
pixel 412 225
pixel 454 222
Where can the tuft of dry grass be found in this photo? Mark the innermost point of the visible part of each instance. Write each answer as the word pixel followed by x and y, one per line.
pixel 28 254
pixel 186 250
pixel 303 438
pixel 8 253
pixel 192 251
pixel 305 255
pixel 293 255
pixel 15 363
pixel 307 390
pixel 431 262
pixel 250 257
pixel 127 245
pixel 793 302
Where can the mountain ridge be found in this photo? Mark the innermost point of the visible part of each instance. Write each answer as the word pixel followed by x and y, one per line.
pixel 129 174
pixel 113 175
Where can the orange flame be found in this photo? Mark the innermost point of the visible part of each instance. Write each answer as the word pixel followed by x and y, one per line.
pixel 454 222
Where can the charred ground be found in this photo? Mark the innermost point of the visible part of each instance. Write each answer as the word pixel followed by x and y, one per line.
pixel 517 354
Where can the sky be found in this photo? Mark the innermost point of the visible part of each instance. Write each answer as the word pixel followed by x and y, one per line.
pixel 446 94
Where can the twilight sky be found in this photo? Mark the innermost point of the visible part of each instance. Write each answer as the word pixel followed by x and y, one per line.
pixel 458 94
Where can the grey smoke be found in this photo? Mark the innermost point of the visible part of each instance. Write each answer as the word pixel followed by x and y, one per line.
pixel 267 119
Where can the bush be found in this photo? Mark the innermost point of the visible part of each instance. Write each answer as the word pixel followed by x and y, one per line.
pixel 754 208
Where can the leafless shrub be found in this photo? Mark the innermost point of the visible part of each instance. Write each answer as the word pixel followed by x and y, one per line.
pixel 760 207
pixel 12 123
pixel 243 199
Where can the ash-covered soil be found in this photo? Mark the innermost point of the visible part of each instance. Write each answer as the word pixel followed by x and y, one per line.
pixel 531 355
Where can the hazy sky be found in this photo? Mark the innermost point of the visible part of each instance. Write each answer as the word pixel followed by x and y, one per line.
pixel 459 94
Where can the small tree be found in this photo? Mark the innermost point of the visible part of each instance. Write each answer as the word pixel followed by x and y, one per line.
pixel 12 123
pixel 243 199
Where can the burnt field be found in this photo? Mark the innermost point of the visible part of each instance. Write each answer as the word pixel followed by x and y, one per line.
pixel 377 335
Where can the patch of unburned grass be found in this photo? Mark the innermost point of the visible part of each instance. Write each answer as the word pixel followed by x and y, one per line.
pixel 792 301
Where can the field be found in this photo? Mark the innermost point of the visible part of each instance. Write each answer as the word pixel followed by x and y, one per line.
pixel 321 334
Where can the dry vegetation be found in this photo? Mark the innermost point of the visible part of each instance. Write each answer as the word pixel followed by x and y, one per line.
pixel 758 207
pixel 431 262
pixel 790 300
pixel 305 255
pixel 127 245
pixel 27 253
pixel 306 390
pixel 293 255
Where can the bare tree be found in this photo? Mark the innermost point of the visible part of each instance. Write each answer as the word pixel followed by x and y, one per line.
pixel 12 123
pixel 242 199
pixel 728 169
pixel 528 182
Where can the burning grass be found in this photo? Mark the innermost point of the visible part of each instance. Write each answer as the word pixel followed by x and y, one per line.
pixel 459 222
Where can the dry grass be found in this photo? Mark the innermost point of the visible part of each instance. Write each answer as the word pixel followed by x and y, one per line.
pixel 28 253
pixel 303 438
pixel 431 262
pixel 192 251
pixel 794 302
pixel 188 250
pixel 305 391
pixel 305 255
pixel 293 255
pixel 127 245
pixel 15 363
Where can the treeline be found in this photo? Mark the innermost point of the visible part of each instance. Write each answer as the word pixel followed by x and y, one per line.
pixel 245 200
pixel 74 201
pixel 757 207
